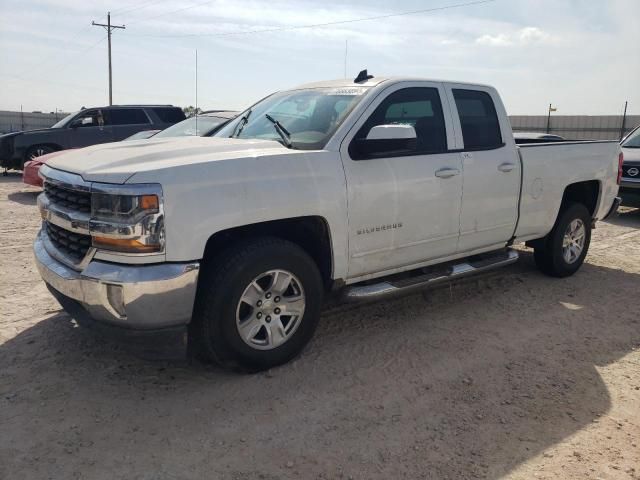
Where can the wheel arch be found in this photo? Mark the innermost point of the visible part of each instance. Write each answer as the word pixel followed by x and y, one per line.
pixel 587 193
pixel 55 146
pixel 311 233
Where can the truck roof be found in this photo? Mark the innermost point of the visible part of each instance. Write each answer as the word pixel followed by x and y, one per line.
pixel 372 82
pixel 138 105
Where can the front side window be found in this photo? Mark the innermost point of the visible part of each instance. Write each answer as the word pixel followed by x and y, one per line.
pixel 128 116
pixel 309 117
pixel 478 119
pixel 419 107
pixel 90 118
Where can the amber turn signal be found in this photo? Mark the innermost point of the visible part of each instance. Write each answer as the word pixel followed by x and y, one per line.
pixel 149 202
pixel 126 245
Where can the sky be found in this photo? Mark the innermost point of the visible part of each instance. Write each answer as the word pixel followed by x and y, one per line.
pixel 579 55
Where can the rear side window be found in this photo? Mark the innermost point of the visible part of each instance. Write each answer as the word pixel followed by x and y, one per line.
pixel 479 120
pixel 419 107
pixel 169 115
pixel 128 116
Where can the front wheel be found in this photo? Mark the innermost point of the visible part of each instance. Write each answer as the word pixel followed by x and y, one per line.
pixel 38 151
pixel 563 251
pixel 258 305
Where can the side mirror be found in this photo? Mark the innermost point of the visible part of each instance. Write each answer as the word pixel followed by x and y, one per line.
pixel 385 141
pixel 392 132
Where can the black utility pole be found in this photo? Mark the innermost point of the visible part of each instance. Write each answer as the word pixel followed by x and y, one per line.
pixel 109 28
pixel 623 130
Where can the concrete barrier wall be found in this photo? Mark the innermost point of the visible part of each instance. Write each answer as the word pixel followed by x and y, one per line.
pixel 17 121
pixel 576 127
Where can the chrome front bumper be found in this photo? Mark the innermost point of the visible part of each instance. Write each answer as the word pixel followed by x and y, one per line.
pixel 144 297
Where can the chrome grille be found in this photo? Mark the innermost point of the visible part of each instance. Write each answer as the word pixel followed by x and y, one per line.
pixel 636 170
pixel 72 199
pixel 73 245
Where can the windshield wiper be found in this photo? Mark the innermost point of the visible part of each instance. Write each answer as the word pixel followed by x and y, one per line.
pixel 283 132
pixel 241 124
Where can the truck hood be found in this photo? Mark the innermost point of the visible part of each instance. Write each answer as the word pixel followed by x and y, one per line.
pixel 117 162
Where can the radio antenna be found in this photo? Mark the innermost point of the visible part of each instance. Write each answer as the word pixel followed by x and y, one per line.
pixel 196 111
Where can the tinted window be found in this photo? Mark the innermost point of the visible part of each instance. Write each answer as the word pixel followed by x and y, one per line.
pixel 90 118
pixel 478 118
pixel 418 107
pixel 128 116
pixel 169 115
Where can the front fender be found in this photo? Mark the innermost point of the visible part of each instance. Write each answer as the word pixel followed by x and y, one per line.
pixel 206 198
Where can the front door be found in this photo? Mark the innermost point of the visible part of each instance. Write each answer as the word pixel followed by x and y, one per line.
pixel 90 127
pixel 404 205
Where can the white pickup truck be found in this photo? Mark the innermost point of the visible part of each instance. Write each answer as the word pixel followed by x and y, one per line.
pixel 362 189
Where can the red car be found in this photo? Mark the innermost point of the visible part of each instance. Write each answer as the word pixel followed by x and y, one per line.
pixel 32 167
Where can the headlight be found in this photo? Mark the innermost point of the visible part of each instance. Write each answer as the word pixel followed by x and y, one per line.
pixel 123 208
pixel 127 219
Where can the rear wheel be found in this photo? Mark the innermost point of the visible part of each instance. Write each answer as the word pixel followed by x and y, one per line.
pixel 258 305
pixel 563 251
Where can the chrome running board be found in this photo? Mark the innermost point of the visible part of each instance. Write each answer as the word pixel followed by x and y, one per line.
pixel 429 277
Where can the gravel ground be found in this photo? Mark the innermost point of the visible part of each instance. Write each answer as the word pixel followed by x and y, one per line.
pixel 514 375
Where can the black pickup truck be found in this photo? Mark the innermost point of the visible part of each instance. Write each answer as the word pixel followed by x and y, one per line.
pixel 87 127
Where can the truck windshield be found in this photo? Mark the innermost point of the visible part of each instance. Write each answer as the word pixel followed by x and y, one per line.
pixel 310 116
pixel 633 141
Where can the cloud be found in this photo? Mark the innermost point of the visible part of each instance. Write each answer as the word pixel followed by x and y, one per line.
pixel 524 36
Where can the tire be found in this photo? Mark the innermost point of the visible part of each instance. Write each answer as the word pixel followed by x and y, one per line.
pixel 574 226
pixel 228 302
pixel 37 151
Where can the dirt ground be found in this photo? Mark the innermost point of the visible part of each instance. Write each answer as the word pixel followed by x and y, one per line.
pixel 514 375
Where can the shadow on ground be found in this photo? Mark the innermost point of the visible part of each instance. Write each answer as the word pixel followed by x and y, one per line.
pixel 459 383
pixel 25 197
pixel 626 217
pixel 11 176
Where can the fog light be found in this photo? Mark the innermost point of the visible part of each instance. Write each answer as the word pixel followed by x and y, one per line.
pixel 116 299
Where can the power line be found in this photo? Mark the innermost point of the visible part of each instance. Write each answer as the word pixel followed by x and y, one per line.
pixel 121 11
pixel 314 25
pixel 48 56
pixel 176 11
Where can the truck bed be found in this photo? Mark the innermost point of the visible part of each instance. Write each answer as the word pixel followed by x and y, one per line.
pixel 548 167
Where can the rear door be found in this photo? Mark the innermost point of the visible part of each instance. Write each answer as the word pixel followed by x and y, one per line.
pixel 491 168
pixel 127 121
pixel 404 203
pixel 90 127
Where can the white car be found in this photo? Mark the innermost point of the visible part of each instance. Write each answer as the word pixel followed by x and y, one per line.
pixel 364 189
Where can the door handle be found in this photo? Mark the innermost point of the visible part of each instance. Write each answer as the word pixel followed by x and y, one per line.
pixel 506 167
pixel 447 172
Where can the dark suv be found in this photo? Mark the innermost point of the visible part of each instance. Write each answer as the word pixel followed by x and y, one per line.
pixel 87 127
